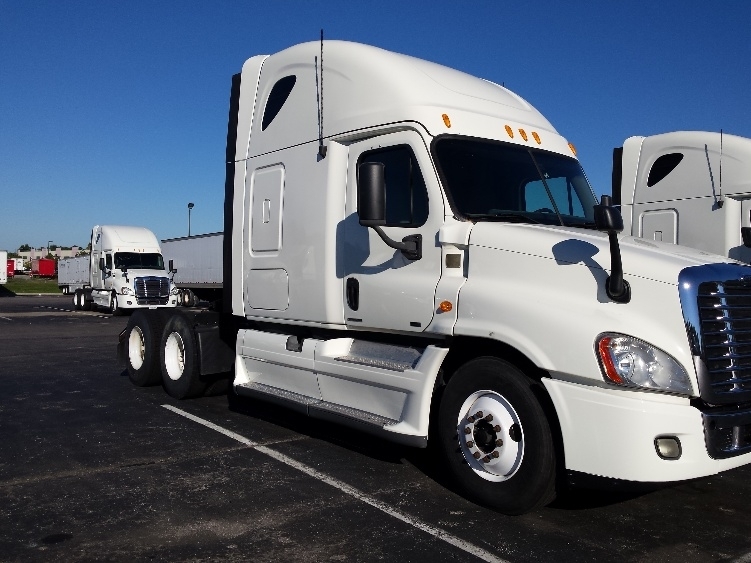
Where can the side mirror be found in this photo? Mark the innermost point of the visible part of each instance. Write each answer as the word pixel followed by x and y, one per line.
pixel 371 194
pixel 609 220
pixel 607 217
pixel 371 208
pixel 172 267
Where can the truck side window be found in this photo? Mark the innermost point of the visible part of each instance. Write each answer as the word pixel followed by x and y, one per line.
pixel 406 194
pixel 278 95
pixel 108 261
pixel 662 167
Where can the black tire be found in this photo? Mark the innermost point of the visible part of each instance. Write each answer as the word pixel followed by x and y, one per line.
pixel 114 307
pixel 77 300
pixel 178 358
pixel 516 474
pixel 85 303
pixel 143 334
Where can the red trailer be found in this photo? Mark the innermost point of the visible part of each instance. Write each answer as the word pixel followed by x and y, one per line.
pixel 11 267
pixel 43 267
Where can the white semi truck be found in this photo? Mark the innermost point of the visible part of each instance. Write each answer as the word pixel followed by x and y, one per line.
pixel 421 257
pixel 687 187
pixel 124 271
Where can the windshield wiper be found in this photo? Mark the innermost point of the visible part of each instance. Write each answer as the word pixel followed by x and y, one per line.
pixel 506 216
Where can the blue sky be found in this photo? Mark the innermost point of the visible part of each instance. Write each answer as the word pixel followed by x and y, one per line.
pixel 115 112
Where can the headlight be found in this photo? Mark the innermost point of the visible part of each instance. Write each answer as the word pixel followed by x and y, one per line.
pixel 125 290
pixel 628 361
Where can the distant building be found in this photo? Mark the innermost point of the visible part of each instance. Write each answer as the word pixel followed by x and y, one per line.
pixel 56 252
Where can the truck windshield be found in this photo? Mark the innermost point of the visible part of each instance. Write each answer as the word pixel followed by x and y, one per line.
pixel 495 181
pixel 139 261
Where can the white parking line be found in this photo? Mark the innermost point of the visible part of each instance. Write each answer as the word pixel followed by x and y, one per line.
pixel 359 495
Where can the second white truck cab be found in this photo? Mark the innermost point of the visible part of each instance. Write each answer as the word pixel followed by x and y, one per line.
pixel 423 258
pixel 691 188
pixel 126 271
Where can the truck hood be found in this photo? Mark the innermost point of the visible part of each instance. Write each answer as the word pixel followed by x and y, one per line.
pixel 643 258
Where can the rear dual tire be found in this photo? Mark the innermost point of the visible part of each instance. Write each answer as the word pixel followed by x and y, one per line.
pixel 143 335
pixel 179 360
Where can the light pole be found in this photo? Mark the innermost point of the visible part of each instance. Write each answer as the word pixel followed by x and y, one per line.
pixel 190 208
pixel 49 245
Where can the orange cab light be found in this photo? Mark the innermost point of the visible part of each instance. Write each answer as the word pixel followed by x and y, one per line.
pixel 523 133
pixel 536 137
pixel 445 306
pixel 572 147
pixel 510 131
pixel 446 120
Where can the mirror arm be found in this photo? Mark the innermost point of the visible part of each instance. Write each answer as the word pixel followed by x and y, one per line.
pixel 411 245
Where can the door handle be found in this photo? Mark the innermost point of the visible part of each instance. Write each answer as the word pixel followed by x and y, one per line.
pixel 353 293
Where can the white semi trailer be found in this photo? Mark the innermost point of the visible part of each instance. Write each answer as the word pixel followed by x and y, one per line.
pixel 3 267
pixel 196 266
pixel 423 259
pixel 687 187
pixel 73 274
pixel 125 271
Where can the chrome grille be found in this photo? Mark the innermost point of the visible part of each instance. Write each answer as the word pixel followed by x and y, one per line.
pixel 725 317
pixel 152 290
pixel 716 302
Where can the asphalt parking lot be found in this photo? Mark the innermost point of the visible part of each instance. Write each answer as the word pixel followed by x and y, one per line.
pixel 95 469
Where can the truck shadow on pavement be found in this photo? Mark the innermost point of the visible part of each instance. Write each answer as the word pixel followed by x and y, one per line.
pixel 5 292
pixel 570 497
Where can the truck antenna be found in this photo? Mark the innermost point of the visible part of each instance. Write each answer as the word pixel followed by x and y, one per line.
pixel 720 202
pixel 319 101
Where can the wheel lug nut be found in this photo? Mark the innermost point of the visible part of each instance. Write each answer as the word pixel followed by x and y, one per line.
pixel 499 442
pixel 495 454
pixel 470 444
pixel 467 430
pixel 476 455
pixel 496 428
pixel 471 419
pixel 479 414
pixel 486 459
pixel 489 417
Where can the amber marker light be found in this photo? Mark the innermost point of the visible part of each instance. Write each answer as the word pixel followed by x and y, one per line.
pixel 446 121
pixel 510 131
pixel 572 147
pixel 523 133
pixel 445 306
pixel 536 137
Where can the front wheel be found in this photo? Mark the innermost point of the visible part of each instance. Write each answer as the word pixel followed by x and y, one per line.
pixel 495 437
pixel 114 307
pixel 178 355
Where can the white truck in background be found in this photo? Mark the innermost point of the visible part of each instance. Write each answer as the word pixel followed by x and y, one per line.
pixel 423 259
pixel 3 267
pixel 691 188
pixel 125 271
pixel 196 266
